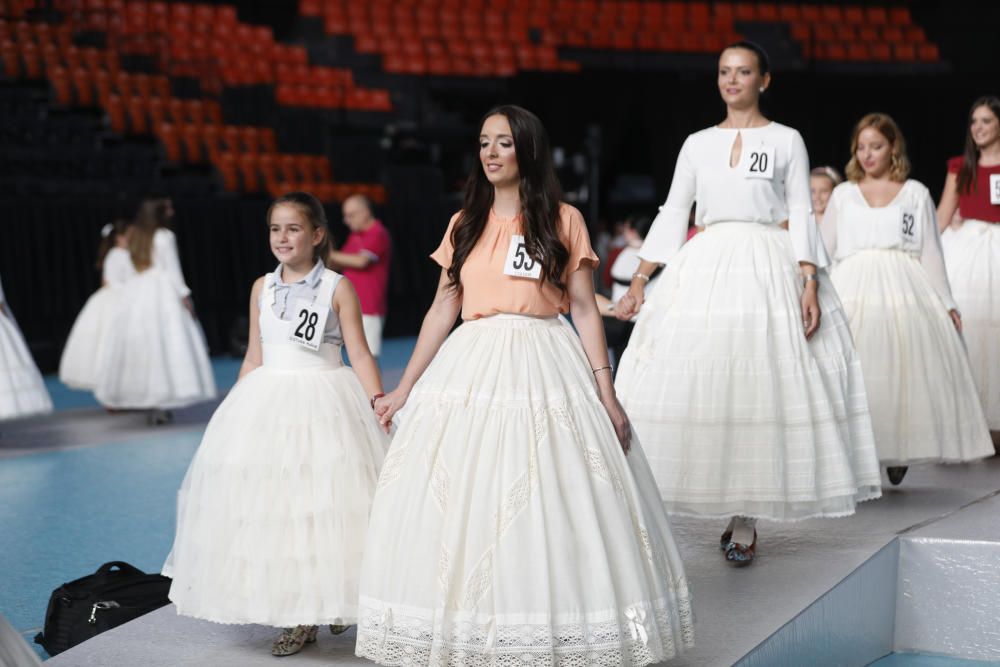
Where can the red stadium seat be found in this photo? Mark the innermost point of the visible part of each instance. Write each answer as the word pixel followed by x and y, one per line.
pixel 102 81
pixel 167 134
pixel 928 53
pixel 83 85
pixel 116 114
pixel 61 86
pixel 904 52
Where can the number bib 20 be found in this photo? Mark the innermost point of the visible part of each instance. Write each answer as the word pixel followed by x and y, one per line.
pixel 909 229
pixel 308 323
pixel 995 189
pixel 759 161
pixel 519 263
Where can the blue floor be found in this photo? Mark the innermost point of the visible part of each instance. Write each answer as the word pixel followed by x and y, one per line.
pixel 921 660
pixel 64 513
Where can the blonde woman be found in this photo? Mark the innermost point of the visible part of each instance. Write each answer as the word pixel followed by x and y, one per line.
pixel 882 230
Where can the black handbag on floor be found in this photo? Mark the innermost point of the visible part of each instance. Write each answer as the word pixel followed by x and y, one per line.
pixel 84 608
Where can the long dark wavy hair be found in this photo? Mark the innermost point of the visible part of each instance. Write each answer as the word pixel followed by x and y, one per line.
pixel 540 193
pixel 970 158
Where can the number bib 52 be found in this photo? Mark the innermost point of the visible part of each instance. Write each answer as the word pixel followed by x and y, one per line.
pixel 758 161
pixel 910 230
pixel 519 263
pixel 308 323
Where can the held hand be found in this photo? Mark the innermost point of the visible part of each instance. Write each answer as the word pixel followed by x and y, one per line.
pixel 956 319
pixel 810 309
pixel 623 429
pixel 389 405
pixel 628 306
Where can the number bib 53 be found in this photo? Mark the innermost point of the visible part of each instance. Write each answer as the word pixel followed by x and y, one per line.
pixel 308 323
pixel 519 263
pixel 758 162
pixel 995 189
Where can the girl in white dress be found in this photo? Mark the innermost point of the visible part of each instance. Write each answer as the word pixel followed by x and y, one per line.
pixel 272 514
pixel 155 356
pixel 972 249
pixel 513 523
pixel 22 390
pixel 77 368
pixel 822 181
pixel 749 404
pixel 882 231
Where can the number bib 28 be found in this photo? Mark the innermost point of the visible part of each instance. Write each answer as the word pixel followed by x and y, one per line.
pixel 759 161
pixel 909 229
pixel 995 189
pixel 308 323
pixel 518 263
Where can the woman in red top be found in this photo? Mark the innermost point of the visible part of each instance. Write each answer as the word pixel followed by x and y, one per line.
pixel 972 248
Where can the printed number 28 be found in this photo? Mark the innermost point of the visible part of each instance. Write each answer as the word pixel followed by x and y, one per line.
pixel 309 321
pixel 522 262
pixel 908 224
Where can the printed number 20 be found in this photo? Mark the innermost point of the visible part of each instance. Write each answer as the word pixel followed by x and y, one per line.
pixel 758 163
pixel 522 262
pixel 309 321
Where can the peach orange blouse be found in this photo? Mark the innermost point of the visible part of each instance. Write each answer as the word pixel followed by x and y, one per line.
pixel 486 290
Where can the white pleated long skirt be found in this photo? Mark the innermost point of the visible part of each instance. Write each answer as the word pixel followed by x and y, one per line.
pixel 78 366
pixel 972 258
pixel 508 527
pixel 22 390
pixel 273 510
pixel 923 399
pixel 739 414
pixel 154 354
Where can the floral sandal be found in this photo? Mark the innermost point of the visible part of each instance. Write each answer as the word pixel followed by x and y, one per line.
pixel 292 640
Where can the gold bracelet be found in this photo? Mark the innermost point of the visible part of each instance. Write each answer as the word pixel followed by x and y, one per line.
pixel 595 371
pixel 640 275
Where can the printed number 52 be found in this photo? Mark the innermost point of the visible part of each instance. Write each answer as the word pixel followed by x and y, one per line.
pixel 908 221
pixel 522 262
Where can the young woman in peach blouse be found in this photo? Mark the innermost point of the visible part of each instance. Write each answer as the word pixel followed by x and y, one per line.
pixel 516 519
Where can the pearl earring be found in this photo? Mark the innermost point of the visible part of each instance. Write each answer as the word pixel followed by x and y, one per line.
pixel 762 89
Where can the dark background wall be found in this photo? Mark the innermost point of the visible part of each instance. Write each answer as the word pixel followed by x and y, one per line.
pixel 644 111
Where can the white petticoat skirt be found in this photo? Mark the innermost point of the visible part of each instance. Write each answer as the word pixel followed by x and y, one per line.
pixel 972 258
pixel 739 414
pixel 508 527
pixel 923 399
pixel 273 511
pixel 154 354
pixel 83 350
pixel 22 390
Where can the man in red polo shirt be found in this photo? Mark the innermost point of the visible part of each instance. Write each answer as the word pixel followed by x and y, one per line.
pixel 364 260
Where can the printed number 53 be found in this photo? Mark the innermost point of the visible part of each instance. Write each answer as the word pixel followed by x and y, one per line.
pixel 522 262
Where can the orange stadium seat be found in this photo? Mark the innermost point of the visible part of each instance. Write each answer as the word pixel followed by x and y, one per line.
pixel 167 134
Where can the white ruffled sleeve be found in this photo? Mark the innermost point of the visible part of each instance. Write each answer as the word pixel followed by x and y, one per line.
pixel 166 256
pixel 931 254
pixel 669 230
pixel 801 222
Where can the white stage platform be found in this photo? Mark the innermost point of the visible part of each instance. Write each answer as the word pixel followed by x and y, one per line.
pixel 751 616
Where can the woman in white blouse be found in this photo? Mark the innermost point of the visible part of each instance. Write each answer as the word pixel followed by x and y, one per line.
pixel 881 229
pixel 749 402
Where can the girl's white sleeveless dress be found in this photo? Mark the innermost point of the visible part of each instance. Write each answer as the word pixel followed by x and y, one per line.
pixel 273 511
